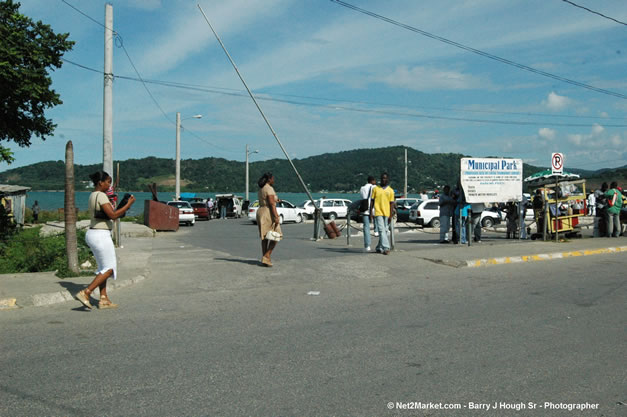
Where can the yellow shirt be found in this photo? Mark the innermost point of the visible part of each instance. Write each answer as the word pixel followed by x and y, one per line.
pixel 382 198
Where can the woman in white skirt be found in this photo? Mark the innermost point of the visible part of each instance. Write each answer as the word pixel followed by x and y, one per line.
pixel 98 237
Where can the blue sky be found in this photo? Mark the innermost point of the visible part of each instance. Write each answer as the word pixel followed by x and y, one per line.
pixel 333 79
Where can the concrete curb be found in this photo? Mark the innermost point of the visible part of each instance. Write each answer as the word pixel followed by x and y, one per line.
pixel 46 299
pixel 542 256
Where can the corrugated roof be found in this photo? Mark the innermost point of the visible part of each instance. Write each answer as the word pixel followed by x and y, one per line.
pixel 12 189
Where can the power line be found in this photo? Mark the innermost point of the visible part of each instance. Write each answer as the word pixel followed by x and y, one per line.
pixel 592 11
pixel 362 110
pixel 479 52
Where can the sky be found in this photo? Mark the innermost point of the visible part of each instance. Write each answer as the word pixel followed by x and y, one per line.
pixel 331 79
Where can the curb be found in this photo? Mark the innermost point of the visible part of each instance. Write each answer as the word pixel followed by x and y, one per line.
pixel 46 299
pixel 542 257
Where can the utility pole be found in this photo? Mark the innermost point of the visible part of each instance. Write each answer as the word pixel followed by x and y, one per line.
pixel 107 113
pixel 247 180
pixel 177 190
pixel 178 157
pixel 405 189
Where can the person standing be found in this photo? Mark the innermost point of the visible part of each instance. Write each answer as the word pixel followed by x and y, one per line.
pixel 382 208
pixel 476 210
pixel 447 208
pixel 267 216
pixel 36 210
pixel 364 209
pixel 614 205
pixel 98 238
pixel 591 205
pixel 600 220
pixel 210 207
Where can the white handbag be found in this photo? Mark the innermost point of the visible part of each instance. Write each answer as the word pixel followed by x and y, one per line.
pixel 274 235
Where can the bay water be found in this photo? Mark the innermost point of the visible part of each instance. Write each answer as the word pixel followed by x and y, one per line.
pixel 53 200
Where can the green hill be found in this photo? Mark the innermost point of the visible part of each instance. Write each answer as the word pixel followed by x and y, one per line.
pixel 341 171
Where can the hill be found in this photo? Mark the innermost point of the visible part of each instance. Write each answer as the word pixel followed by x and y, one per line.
pixel 341 171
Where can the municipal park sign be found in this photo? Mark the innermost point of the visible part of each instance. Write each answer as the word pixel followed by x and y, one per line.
pixel 491 180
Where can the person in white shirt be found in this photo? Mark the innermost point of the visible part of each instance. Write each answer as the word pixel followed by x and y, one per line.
pixel 364 209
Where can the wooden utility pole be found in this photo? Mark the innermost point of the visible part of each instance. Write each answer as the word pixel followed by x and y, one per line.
pixel 107 119
pixel 71 245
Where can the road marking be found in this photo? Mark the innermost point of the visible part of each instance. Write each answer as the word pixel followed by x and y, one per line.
pixel 543 256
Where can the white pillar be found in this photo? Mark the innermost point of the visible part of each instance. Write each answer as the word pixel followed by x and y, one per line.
pixel 405 189
pixel 107 128
pixel 247 172
pixel 178 156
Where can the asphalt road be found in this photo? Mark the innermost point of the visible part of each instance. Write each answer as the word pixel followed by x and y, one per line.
pixel 212 333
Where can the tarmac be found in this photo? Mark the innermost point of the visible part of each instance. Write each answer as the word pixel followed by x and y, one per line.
pixel 45 288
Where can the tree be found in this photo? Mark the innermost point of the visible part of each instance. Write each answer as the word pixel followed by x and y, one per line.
pixel 71 245
pixel 28 50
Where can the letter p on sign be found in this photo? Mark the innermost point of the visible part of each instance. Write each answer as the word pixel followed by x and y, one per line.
pixel 557 163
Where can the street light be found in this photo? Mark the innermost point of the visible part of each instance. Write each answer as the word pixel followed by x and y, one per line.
pixel 178 152
pixel 248 153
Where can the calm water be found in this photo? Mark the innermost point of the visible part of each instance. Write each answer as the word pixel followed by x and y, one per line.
pixel 53 200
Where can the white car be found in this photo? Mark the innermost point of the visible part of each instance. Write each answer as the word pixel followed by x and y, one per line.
pixel 287 212
pixel 332 208
pixel 427 213
pixel 186 212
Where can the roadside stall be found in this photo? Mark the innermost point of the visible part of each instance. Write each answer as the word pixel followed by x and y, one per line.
pixel 564 198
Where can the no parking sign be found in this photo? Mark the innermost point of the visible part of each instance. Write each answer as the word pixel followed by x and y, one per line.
pixel 557 163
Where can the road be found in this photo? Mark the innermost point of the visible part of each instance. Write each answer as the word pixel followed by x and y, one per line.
pixel 212 333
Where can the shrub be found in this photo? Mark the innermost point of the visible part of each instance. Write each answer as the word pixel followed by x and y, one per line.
pixel 27 251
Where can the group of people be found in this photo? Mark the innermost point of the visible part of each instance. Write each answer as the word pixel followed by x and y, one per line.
pixel 456 215
pixel 377 206
pixel 607 202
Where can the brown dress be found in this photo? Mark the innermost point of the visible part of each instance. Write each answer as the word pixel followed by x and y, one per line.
pixel 264 213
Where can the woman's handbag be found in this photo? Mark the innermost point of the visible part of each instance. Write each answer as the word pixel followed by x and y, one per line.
pixel 274 235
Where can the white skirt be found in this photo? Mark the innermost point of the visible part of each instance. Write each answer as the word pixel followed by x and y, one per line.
pixel 101 244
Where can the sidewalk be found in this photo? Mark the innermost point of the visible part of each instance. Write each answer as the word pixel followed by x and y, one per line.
pixel 45 288
pixel 412 244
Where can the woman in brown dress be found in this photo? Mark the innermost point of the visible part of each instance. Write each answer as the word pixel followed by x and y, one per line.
pixel 267 216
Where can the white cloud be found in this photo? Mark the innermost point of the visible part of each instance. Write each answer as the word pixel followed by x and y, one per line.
pixel 429 78
pixel 556 102
pixel 546 133
pixel 597 129
pixel 576 139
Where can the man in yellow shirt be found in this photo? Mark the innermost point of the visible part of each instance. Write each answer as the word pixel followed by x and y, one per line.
pixel 383 208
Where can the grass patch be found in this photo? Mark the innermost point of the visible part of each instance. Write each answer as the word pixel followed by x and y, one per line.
pixel 27 251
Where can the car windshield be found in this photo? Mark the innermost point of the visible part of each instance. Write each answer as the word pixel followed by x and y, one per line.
pixel 199 205
pixel 179 204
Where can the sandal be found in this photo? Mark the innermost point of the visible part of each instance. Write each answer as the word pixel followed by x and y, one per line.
pixel 266 261
pixel 106 303
pixel 83 298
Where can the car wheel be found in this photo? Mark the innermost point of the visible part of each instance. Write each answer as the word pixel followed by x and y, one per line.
pixel 332 216
pixel 280 219
pixel 299 218
pixel 435 223
pixel 487 222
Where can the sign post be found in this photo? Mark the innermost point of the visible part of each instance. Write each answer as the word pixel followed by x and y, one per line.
pixel 557 167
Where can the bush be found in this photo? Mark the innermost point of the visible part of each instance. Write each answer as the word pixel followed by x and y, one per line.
pixel 27 251
pixel 52 216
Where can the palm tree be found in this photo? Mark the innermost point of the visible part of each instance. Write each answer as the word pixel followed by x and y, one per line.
pixel 70 211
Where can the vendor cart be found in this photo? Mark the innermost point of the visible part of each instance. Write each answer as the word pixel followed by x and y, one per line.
pixel 564 198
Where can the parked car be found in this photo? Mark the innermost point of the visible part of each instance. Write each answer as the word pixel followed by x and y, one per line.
pixel 425 213
pixel 332 208
pixel 200 210
pixel 233 204
pixel 403 205
pixel 288 212
pixel 186 212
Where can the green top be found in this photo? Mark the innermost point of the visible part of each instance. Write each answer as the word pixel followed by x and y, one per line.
pixel 615 209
